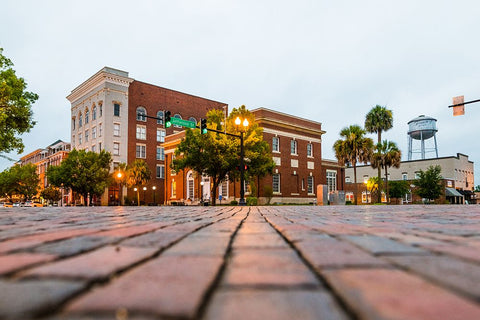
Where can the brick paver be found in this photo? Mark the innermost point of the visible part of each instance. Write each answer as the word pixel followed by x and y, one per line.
pixel 272 262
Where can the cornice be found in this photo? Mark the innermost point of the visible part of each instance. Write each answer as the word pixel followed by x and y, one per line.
pixel 97 80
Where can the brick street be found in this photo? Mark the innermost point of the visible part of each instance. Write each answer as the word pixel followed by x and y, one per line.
pixel 271 262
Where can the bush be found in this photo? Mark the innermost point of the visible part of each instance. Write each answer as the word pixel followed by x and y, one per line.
pixel 234 202
pixel 252 201
pixel 268 192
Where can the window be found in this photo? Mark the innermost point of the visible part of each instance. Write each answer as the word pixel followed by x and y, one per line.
pixel 178 117
pixel 94 132
pixel 275 144
pixel 80 120
pixel 223 189
pixel 310 184
pixel 141 151
pixel 100 106
pixel 293 147
pixel 141 112
pixel 116 129
pixel 116 110
pixel 160 153
pixel 309 150
pixel 94 112
pixel 141 132
pixel 86 135
pixel 79 138
pixel 404 176
pixel 160 135
pixel 160 117
pixel 100 130
pixel 192 119
pixel 94 148
pixel 365 178
pixel 331 180
pixel 417 175
pixel 276 182
pixel 87 115
pixel 366 197
pixel 190 186
pixel 347 179
pixel 73 123
pixel 99 146
pixel 116 149
pixel 160 171
pixel 349 197
pixel 174 189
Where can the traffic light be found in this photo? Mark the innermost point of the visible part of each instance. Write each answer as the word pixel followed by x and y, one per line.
pixel 168 121
pixel 203 126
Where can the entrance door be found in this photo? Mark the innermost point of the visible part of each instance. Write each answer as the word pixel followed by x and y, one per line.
pixel 206 188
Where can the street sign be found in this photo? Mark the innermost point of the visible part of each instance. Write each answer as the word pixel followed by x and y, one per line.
pixel 459 107
pixel 183 123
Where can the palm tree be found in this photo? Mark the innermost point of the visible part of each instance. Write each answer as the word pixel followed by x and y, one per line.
pixel 377 120
pixel 387 155
pixel 353 148
pixel 138 174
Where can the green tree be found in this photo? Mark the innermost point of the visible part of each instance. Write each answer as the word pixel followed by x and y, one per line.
pixel 19 180
pixel 429 183
pixel 217 155
pixel 378 120
pixel 387 155
pixel 138 174
pixel 477 188
pixel 397 189
pixel 86 173
pixel 51 194
pixel 372 185
pixel 16 116
pixel 353 148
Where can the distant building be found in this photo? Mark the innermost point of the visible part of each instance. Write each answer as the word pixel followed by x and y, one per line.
pixel 104 115
pixel 457 172
pixel 52 155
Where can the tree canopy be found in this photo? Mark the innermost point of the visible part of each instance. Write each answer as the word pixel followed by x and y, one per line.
pixel 398 189
pixel 86 173
pixel 353 148
pixel 20 181
pixel 137 174
pixel 16 116
pixel 217 155
pixel 428 183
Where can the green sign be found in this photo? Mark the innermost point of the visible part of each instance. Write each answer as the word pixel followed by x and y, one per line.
pixel 183 123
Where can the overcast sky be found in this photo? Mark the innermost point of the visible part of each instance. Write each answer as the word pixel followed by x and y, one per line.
pixel 328 61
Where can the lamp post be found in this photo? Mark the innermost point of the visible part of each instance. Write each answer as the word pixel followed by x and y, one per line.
pixel 136 191
pixel 144 191
pixel 201 192
pixel 154 201
pixel 238 121
pixel 119 176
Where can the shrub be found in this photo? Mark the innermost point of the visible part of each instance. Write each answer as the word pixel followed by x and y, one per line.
pixel 234 202
pixel 252 201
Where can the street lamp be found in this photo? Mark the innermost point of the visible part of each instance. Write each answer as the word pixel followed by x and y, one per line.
pixel 144 191
pixel 119 176
pixel 138 197
pixel 154 188
pixel 238 121
pixel 201 192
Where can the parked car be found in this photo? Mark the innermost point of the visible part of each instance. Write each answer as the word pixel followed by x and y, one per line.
pixel 33 204
pixel 6 204
pixel 18 204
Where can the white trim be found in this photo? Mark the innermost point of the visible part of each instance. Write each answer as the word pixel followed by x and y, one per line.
pixel 291 135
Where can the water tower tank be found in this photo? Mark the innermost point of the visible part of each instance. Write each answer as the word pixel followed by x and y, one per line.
pixel 422 128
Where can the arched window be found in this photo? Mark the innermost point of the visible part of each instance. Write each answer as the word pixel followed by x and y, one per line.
pixel 80 121
pixel 160 117
pixel 190 186
pixel 140 114
pixel 87 115
pixel 178 117
pixel 94 112
pixel 192 119
pixel 73 123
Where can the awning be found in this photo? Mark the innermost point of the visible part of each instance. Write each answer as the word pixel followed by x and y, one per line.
pixel 452 192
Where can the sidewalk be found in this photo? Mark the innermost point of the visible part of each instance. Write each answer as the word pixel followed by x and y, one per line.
pixel 275 262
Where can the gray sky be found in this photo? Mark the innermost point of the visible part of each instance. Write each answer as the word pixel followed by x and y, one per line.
pixel 329 61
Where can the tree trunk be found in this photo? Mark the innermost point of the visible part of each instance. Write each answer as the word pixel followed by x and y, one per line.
pixel 379 197
pixel 386 184
pixel 138 198
pixel 355 180
pixel 214 191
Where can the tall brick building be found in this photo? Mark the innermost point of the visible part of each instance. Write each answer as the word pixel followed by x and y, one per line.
pixel 104 112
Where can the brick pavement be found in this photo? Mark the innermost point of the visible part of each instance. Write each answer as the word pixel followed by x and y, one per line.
pixel 292 262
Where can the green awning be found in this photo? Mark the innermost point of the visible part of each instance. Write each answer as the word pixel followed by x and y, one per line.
pixel 452 192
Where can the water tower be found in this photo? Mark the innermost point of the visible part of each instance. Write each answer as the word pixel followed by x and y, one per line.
pixel 422 128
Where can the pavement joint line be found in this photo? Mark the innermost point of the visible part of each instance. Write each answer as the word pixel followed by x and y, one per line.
pixel 216 282
pixel 100 282
pixel 348 310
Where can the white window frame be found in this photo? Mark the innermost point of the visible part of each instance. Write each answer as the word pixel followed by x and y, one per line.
pixel 161 135
pixel 141 151
pixel 140 113
pixel 331 180
pixel 116 148
pixel 275 144
pixel 141 132
pixel 94 132
pixel 160 173
pixel 190 186
pixel 160 155
pixel 293 147
pixel 116 129
pixel 276 189
pixel 310 185
pixel 310 150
